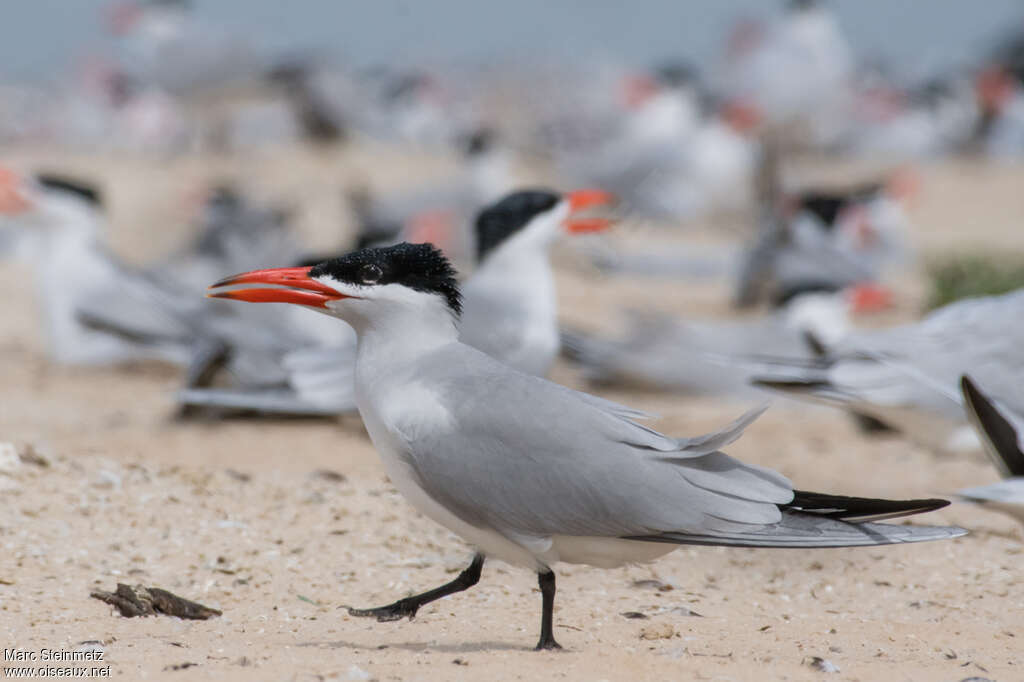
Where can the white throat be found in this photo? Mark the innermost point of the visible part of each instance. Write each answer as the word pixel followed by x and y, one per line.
pixel 397 326
pixel 518 274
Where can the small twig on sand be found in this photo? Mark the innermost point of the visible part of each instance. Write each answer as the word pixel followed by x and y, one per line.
pixel 150 601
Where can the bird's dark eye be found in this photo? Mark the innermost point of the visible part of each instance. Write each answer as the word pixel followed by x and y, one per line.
pixel 370 273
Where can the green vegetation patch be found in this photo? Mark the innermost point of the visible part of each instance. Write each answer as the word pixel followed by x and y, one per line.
pixel 976 274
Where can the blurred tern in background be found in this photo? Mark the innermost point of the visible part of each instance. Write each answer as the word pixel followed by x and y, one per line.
pixel 99 310
pixel 701 357
pixel 907 377
pixel 836 238
pixel 57 225
pixel 796 72
pixel 669 158
pixel 1000 92
pixel 531 472
pixel 164 45
pixel 926 120
pixel 826 238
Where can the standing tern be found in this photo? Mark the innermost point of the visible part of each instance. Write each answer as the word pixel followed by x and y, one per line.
pixel 59 223
pixel 907 377
pixel 1002 435
pixel 98 310
pixel 835 238
pixel 698 356
pixel 531 472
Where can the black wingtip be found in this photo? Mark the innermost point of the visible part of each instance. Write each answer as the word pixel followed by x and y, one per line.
pixel 859 509
pixel 871 425
pixel 789 385
pixel 998 434
pixel 83 189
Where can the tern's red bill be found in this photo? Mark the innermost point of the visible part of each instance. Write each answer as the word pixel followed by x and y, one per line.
pixel 301 288
pixel 12 201
pixel 582 199
pixel 870 298
pixel 585 198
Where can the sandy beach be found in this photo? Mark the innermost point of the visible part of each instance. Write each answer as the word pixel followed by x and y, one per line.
pixel 281 524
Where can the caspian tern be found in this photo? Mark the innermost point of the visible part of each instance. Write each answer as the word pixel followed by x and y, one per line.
pixel 936 117
pixel 99 310
pixel 510 308
pixel 164 44
pixel 670 160
pixel 698 356
pixel 834 238
pixel 59 223
pixel 999 87
pixel 907 376
pixel 534 473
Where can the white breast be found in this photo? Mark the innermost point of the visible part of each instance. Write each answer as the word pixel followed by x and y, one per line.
pixel 392 418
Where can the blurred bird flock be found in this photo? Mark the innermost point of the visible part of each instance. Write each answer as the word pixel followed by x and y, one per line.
pixel 730 149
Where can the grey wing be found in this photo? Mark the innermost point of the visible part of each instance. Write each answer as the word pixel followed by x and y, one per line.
pixel 532 459
pixel 138 308
pixel 808 530
pixel 643 354
pixel 696 357
pixel 918 365
pixel 984 336
pixel 268 401
pixel 324 376
pixel 1009 491
pixel 314 381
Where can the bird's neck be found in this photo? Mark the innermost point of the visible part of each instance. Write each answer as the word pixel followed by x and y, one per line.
pixel 386 341
pixel 517 262
pixel 520 275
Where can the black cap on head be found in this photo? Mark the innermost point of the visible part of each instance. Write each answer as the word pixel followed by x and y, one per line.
pixel 501 220
pixel 422 267
pixel 79 188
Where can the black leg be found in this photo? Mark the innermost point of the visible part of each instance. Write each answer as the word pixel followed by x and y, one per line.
pixel 410 605
pixel 546 581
